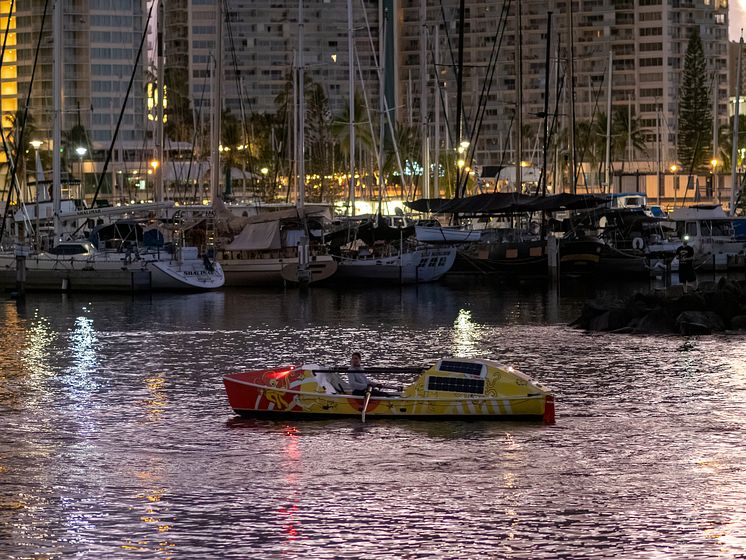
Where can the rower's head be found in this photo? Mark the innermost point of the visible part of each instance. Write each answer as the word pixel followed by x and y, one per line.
pixel 355 359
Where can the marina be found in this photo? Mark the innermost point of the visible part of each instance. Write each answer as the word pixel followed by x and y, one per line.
pixel 394 279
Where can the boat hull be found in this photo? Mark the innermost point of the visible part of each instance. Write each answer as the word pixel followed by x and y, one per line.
pixel 294 392
pixel 106 272
pixel 418 266
pixel 268 271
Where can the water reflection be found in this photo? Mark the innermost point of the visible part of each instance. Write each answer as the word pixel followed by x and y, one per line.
pixel 117 439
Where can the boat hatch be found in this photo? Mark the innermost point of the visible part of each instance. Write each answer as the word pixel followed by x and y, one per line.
pixel 455 385
pixel 469 368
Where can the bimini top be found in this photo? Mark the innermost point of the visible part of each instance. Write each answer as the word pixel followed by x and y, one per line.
pixel 507 203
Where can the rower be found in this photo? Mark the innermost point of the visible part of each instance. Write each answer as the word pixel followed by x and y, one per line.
pixel 359 382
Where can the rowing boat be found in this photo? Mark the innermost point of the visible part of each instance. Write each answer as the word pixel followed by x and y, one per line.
pixel 450 388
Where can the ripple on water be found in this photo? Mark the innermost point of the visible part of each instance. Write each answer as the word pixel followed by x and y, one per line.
pixel 116 438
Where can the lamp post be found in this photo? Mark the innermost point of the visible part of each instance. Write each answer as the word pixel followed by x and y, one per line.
pixel 36 144
pixel 81 151
pixel 674 168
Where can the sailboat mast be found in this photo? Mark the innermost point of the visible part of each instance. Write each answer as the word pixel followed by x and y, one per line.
pixel 734 142
pixel 301 113
pixel 217 105
pixel 424 112
pixel 381 103
pixel 571 98
pixel 351 79
pixel 57 86
pixel 607 166
pixel 546 104
pixel 518 100
pixel 460 87
pixel 438 93
pixel 160 140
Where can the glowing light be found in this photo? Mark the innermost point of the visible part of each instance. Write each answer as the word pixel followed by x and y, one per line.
pixel 714 162
pixel 674 168
pixel 154 164
pixel 36 144
pixel 264 170
pixel 460 163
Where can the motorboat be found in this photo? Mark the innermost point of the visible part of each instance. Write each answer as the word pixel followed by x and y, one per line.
pixel 710 232
pixel 450 388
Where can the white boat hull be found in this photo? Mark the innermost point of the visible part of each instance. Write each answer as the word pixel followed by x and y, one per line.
pixel 109 272
pixel 420 265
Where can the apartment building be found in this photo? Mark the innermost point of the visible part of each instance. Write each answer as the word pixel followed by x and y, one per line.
pixel 260 42
pixel 100 43
pixel 648 39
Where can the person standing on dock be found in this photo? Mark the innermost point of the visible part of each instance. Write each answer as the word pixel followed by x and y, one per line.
pixel 685 254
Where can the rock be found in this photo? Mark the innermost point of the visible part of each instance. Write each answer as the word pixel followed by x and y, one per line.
pixel 738 322
pixel 692 301
pixel 677 290
pixel 610 320
pixel 694 329
pixel 706 286
pixel 699 322
pixel 656 321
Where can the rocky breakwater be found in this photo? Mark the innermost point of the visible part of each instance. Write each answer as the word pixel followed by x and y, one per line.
pixel 712 307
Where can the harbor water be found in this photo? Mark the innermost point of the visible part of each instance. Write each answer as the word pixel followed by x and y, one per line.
pixel 116 439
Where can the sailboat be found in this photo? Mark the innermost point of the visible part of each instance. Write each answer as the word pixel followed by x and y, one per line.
pixel 76 264
pixel 374 251
pixel 286 245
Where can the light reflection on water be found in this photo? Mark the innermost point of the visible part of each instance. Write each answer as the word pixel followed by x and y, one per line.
pixel 116 438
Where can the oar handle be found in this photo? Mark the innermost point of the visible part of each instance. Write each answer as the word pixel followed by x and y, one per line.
pixel 365 403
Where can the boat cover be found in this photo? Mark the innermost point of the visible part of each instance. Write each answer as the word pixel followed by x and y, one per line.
pixel 257 237
pixel 507 203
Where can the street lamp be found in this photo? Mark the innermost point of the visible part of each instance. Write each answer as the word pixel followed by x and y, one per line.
pixel 81 151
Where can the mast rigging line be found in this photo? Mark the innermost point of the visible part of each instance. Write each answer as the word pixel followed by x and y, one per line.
pixel 110 151
pixel 486 90
pixel 239 87
pixel 19 139
pixel 386 108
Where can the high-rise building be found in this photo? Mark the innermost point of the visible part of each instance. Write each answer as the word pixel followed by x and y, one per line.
pixel 648 39
pixel 260 42
pixel 101 40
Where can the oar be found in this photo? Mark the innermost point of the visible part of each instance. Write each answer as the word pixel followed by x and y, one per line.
pixel 365 403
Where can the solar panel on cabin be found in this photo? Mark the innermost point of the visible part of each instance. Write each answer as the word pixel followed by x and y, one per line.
pixel 455 385
pixel 461 367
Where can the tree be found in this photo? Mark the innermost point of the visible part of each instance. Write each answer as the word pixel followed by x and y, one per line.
pixel 695 117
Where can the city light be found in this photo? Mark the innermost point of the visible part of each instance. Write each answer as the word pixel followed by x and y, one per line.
pixel 154 164
pixel 674 168
pixel 81 151
pixel 264 170
pixel 36 144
